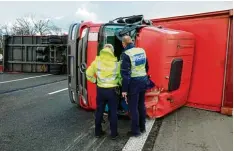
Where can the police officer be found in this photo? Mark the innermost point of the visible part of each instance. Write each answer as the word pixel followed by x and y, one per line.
pixel 107 70
pixel 134 68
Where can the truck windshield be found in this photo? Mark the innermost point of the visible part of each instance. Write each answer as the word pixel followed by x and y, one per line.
pixel 110 38
pixel 109 33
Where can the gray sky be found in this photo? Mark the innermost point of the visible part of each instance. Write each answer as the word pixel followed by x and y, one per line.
pixel 64 13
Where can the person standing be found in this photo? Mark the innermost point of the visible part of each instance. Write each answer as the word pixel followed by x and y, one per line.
pixel 107 70
pixel 134 68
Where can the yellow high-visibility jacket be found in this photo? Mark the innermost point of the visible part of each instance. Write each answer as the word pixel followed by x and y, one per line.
pixel 105 69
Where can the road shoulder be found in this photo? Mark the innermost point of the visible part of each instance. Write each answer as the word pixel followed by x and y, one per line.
pixel 194 129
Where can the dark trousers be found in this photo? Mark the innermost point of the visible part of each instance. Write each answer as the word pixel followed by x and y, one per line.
pixel 106 95
pixel 136 103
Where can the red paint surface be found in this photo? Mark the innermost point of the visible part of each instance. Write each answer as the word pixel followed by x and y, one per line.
pixel 211 32
pixel 161 46
pixel 91 55
pixel 92 48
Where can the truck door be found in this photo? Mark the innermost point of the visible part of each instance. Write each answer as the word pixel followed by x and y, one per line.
pixel 77 46
pixel 82 56
pixel 82 41
pixel 87 51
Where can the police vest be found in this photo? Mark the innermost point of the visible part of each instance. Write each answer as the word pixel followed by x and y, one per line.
pixel 138 60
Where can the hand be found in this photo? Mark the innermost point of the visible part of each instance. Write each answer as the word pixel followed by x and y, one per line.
pixel 124 95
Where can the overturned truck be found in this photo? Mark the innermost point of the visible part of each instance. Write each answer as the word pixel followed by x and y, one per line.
pixel 37 54
pixel 170 55
pixel 190 59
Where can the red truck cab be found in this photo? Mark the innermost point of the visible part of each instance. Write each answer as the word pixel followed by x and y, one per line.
pixel 169 52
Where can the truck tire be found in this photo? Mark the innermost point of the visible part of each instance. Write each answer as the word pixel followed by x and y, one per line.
pixel 55 39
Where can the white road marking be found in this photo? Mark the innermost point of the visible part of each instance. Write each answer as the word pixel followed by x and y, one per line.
pixel 137 143
pixel 25 78
pixel 57 91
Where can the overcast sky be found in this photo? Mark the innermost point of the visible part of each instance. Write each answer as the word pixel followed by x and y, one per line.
pixel 65 13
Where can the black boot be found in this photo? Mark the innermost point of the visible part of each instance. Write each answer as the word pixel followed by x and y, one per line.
pixel 100 135
pixel 115 137
pixel 142 130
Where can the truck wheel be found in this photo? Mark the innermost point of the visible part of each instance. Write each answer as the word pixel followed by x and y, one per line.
pixel 55 41
pixel 53 37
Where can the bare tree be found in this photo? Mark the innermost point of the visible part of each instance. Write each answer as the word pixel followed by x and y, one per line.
pixel 42 27
pixel 23 26
pixel 30 26
pixel 5 30
pixel 45 26
pixel 56 30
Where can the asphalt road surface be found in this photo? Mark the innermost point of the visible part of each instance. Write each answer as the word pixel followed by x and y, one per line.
pixel 36 115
